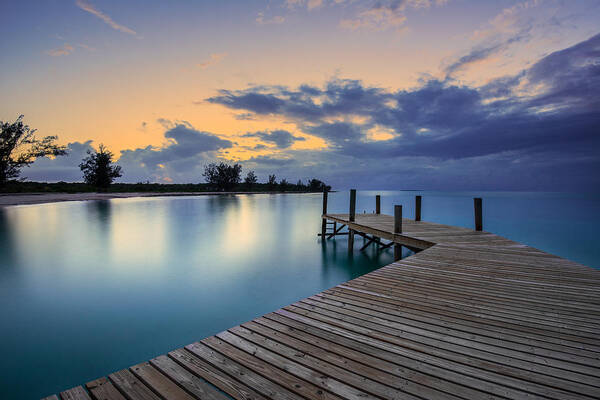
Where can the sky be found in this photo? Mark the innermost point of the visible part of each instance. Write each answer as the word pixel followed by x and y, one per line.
pixel 400 94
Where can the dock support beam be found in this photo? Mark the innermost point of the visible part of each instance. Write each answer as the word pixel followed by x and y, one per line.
pixel 417 208
pixel 352 205
pixel 352 217
pixel 324 221
pixel 378 204
pixel 478 214
pixel 397 230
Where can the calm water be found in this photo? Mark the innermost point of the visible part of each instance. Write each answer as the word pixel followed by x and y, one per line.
pixel 87 288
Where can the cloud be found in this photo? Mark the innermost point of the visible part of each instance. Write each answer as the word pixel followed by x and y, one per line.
pixel 64 168
pixel 536 129
pixel 550 109
pixel 182 157
pixel 242 116
pixel 65 50
pixel 262 20
pixel 270 161
pixel 281 138
pixel 384 14
pixel 378 17
pixel 89 7
pixel 487 49
pixel 214 58
pixel 310 4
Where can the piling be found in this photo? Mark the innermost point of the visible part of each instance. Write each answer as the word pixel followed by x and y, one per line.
pixel 478 214
pixel 351 217
pixel 397 230
pixel 324 221
pixel 352 205
pixel 417 208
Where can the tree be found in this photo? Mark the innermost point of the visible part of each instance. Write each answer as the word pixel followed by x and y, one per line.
pixel 272 182
pixel 315 185
pixel 19 147
pixel 97 168
pixel 283 184
pixel 250 179
pixel 223 176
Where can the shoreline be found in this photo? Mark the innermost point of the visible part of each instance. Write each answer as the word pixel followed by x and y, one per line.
pixel 19 199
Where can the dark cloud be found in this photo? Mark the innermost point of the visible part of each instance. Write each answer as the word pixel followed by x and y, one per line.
pixel 65 168
pixel 281 138
pixel 573 74
pixel 184 154
pixel 551 109
pixel 338 97
pixel 256 102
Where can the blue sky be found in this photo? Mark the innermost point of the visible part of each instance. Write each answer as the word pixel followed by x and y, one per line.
pixel 370 94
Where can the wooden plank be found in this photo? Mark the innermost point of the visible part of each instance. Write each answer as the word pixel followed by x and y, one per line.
pixel 131 387
pixel 330 377
pixel 461 350
pixel 186 380
pixel 363 376
pixel 53 397
pixel 158 382
pixel 102 389
pixel 226 383
pixel 461 322
pixel 454 335
pixel 285 372
pixel 414 368
pixel 76 393
pixel 500 373
pixel 246 375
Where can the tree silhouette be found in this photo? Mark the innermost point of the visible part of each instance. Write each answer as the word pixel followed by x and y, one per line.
pixel 97 168
pixel 223 176
pixel 19 147
pixel 250 179
pixel 283 184
pixel 315 185
pixel 272 182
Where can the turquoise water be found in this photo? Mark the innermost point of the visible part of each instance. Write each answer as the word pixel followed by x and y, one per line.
pixel 87 288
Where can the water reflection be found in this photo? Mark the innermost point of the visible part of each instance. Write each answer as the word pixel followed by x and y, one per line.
pixel 8 251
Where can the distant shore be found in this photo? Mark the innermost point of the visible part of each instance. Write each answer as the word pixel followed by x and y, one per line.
pixel 16 199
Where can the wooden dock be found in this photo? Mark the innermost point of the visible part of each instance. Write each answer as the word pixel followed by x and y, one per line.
pixel 472 316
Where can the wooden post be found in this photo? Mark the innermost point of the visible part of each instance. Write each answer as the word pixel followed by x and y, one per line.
pixel 352 204
pixel 478 213
pixel 378 204
pixel 397 230
pixel 324 221
pixel 418 208
pixel 351 217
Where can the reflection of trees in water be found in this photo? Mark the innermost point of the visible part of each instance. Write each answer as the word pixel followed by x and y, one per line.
pixel 7 242
pixel 221 203
pixel 99 214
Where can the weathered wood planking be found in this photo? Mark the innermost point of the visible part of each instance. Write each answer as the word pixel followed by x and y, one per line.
pixel 473 315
